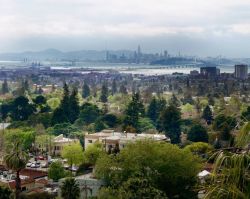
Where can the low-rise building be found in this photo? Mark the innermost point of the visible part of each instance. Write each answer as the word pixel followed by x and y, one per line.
pixel 30 179
pixel 111 139
pixel 60 142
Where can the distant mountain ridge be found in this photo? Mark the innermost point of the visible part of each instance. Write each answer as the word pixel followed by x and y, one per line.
pixel 54 54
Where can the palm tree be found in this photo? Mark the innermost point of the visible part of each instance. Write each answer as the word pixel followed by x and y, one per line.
pixel 16 160
pixel 231 173
pixel 70 189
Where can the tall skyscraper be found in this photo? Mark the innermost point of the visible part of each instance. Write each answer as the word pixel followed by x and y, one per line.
pixel 138 54
pixel 241 71
pixel 139 50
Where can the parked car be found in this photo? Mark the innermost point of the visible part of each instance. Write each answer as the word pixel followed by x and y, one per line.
pixel 34 165
pixel 73 168
pixel 40 157
pixel 44 165
pixel 29 164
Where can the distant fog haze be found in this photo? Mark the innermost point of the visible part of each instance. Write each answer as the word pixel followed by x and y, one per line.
pixel 192 27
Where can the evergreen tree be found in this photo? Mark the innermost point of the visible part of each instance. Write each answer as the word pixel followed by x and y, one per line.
pixel 114 87
pixel 207 115
pixel 85 90
pixel 21 109
pixel 4 110
pixel 25 85
pixel 198 105
pixel 225 132
pixel 134 110
pixel 65 101
pixel 154 109
pixel 62 113
pixel 198 133
pixel 74 108
pixel 89 113
pixel 152 112
pixel 5 87
pixel 123 90
pixel 104 93
pixel 170 123
pixel 174 101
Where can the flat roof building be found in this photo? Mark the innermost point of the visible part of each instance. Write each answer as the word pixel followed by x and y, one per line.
pixel 241 71
pixel 110 139
pixel 210 71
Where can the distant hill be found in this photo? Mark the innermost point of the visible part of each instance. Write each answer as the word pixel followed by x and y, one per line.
pixel 57 55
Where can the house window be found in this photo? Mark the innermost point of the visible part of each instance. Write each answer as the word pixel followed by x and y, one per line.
pixel 90 141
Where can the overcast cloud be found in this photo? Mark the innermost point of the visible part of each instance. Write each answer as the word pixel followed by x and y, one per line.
pixel 202 27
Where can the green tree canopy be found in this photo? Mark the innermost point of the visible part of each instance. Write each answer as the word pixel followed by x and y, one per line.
pixel 89 113
pixel 198 133
pixel 70 189
pixel 56 171
pixel 167 167
pixel 73 153
pixel 221 120
pixel 92 153
pixel 21 109
pixel 170 123
pixel 133 188
pixel 24 136
pixel 63 128
pixel 199 148
pixel 145 124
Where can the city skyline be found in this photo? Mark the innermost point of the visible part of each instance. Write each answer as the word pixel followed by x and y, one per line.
pixel 194 27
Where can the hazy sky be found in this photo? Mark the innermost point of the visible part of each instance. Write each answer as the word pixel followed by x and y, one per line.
pixel 202 27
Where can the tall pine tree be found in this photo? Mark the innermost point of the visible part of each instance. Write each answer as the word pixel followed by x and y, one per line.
pixel 85 90
pixel 5 87
pixel 207 115
pixel 154 109
pixel 114 87
pixel 74 108
pixel 104 93
pixel 170 123
pixel 134 110
pixel 61 114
